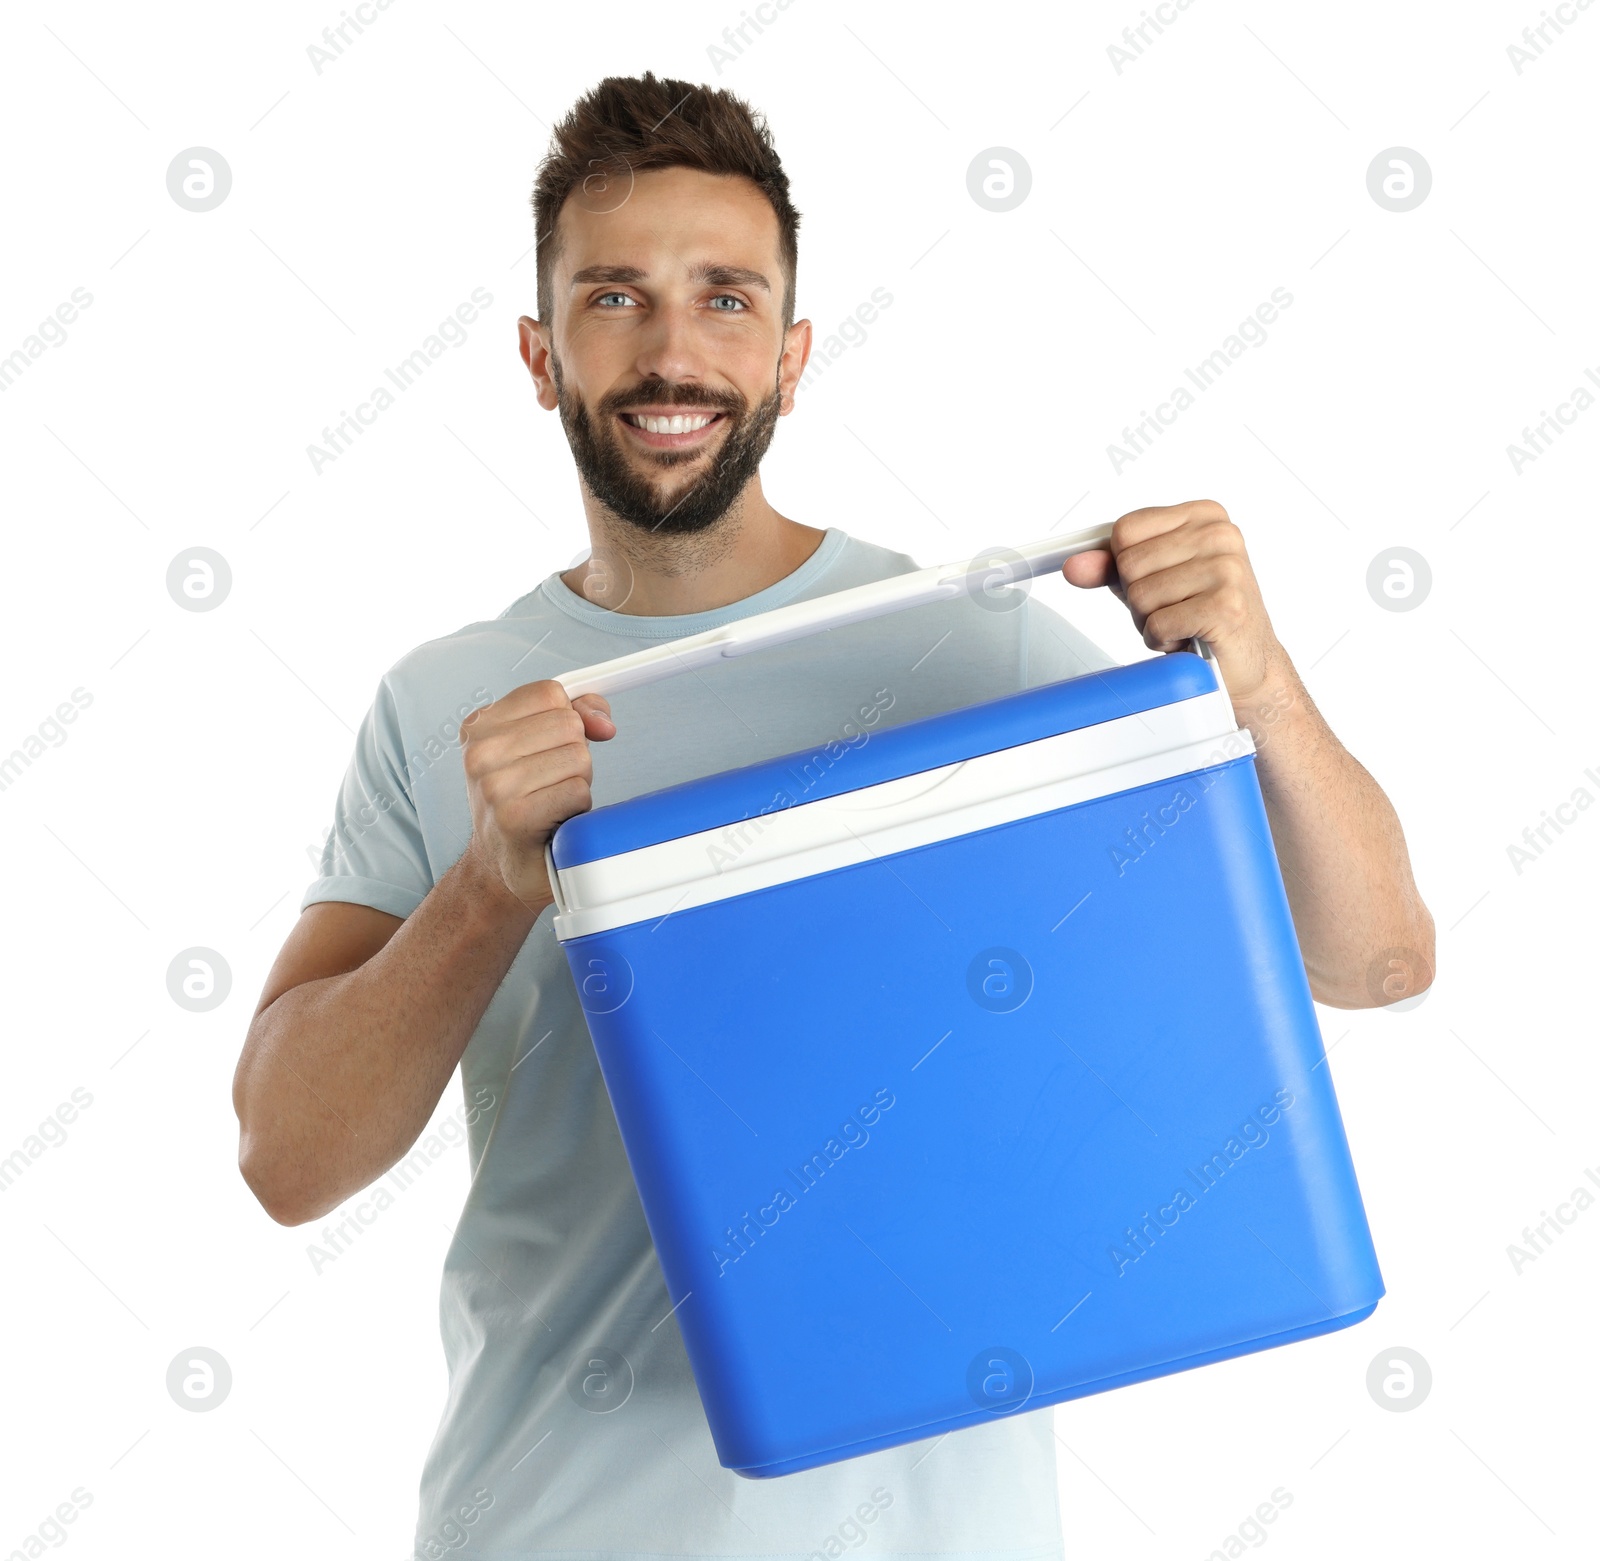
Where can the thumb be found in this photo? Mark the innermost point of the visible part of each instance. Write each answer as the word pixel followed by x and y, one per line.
pixel 1093 568
pixel 596 712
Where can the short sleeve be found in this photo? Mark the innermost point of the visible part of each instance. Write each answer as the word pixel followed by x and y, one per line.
pixel 1053 649
pixel 374 854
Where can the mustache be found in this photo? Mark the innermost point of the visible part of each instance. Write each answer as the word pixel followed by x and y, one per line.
pixel 657 393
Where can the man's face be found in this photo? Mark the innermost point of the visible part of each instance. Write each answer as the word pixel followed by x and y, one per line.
pixel 667 357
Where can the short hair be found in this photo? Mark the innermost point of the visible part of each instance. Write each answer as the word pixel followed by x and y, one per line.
pixel 644 122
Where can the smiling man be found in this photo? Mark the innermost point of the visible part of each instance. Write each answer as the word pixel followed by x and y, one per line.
pixel 666 340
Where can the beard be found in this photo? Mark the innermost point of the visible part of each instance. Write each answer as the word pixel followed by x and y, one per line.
pixel 610 475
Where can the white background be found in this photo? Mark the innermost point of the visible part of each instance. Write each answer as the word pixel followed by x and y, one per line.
pixel 1167 202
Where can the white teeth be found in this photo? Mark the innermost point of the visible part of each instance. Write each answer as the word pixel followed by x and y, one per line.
pixel 670 425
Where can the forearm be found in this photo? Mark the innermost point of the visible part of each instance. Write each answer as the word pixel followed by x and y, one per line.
pixel 340 1075
pixel 1340 844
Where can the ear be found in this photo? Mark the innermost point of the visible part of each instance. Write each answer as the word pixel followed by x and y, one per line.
pixel 534 341
pixel 796 354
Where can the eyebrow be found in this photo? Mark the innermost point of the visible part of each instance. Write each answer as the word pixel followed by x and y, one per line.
pixel 711 272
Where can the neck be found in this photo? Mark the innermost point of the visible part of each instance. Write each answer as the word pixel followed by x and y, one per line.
pixel 659 574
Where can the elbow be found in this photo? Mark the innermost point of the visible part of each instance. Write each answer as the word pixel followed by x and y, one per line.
pixel 1392 975
pixel 267 1160
pixel 269 1189
pixel 287 1184
pixel 1403 970
pixel 278 1178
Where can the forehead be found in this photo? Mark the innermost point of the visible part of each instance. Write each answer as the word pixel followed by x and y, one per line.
pixel 665 221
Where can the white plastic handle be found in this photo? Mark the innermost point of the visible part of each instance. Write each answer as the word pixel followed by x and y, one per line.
pixel 992 568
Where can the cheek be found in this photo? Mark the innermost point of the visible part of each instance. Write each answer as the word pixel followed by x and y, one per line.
pixel 754 369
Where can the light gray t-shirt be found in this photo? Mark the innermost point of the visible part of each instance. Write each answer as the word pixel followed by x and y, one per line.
pixel 572 1428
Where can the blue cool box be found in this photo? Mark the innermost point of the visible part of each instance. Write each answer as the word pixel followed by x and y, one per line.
pixel 970 1072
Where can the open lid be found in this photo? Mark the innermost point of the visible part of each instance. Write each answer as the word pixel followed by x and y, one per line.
pixel 810 775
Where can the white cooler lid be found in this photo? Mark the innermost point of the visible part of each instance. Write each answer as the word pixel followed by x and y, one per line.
pixel 783 819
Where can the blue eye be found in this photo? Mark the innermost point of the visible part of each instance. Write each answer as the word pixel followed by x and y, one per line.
pixel 603 296
pixel 728 298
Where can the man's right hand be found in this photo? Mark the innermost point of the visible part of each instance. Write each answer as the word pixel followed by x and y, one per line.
pixel 526 759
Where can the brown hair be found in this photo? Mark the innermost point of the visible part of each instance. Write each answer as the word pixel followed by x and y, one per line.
pixel 629 124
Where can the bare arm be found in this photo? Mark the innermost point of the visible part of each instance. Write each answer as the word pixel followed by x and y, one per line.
pixel 362 1022
pixel 364 1017
pixel 1364 932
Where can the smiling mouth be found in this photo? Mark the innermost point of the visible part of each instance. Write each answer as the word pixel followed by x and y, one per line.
pixel 678 430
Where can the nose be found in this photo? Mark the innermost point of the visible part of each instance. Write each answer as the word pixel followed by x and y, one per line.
pixel 667 346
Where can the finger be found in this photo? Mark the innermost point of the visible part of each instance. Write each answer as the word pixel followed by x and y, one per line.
pixel 529 699
pixel 539 813
pixel 1095 574
pixel 1219 607
pixel 536 772
pixel 1192 578
pixel 598 724
pixel 1141 524
pixel 1089 569
pixel 1171 628
pixel 496 747
pixel 1168 549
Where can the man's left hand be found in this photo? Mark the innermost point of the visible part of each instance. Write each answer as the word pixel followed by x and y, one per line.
pixel 1181 571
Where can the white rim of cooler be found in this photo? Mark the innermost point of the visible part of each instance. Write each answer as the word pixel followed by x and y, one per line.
pixel 856 827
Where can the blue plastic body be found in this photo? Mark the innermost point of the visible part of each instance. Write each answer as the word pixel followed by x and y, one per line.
pixel 1020 1116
